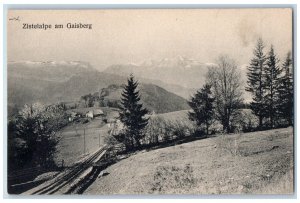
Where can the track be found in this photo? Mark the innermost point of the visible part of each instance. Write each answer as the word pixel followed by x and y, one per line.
pixel 60 183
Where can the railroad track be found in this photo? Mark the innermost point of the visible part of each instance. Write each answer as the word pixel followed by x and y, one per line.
pixel 67 177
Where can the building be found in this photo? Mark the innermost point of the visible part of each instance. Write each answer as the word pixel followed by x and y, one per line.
pixel 89 114
pixel 98 112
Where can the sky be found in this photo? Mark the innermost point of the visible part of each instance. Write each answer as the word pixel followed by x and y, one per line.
pixel 132 36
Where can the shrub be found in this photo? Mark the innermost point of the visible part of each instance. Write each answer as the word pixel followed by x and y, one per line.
pixel 173 179
pixel 245 121
pixel 160 130
pixel 154 131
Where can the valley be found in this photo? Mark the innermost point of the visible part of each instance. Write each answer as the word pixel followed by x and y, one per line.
pixel 169 166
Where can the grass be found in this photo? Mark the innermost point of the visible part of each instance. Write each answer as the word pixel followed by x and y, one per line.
pixel 173 179
pixel 175 116
pixel 249 163
pixel 71 146
pixel 270 172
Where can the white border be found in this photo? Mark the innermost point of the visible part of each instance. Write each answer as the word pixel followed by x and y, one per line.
pixel 120 3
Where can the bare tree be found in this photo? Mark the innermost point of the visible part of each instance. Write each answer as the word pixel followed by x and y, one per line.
pixel 225 80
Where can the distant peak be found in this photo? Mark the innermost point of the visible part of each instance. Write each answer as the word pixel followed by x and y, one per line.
pixel 52 63
pixel 149 62
pixel 178 61
pixel 210 64
pixel 133 64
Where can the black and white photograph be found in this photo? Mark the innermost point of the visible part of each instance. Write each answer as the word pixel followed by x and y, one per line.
pixel 150 102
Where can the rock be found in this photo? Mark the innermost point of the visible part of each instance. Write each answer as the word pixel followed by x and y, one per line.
pixel 100 174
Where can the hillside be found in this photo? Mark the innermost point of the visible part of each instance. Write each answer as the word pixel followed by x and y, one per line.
pixel 30 81
pixel 28 90
pixel 177 89
pixel 153 97
pixel 255 163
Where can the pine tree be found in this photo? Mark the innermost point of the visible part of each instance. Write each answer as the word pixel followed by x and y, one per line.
pixel 132 113
pixel 272 82
pixel 202 106
pixel 286 90
pixel 36 125
pixel 256 81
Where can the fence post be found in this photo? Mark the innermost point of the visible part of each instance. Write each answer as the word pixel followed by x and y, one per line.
pixel 84 141
pixel 99 139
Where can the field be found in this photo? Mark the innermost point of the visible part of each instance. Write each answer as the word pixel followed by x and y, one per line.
pixel 255 163
pixel 71 146
pixel 175 116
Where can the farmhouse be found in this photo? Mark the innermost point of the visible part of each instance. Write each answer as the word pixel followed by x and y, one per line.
pixel 94 113
pixel 89 114
pixel 98 112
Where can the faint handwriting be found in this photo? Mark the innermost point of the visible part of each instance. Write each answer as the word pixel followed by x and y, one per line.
pixel 15 18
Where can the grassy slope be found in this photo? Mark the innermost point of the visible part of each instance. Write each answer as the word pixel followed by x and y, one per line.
pixel 259 162
pixel 153 97
pixel 71 146
pixel 175 116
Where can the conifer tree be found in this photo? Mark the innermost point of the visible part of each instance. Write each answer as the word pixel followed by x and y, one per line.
pixel 132 113
pixel 272 82
pixel 255 81
pixel 286 90
pixel 202 106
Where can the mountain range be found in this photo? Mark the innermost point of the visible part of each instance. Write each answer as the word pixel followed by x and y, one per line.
pixel 180 75
pixel 51 82
pixel 180 71
pixel 171 80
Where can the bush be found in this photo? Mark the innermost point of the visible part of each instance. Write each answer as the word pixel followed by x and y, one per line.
pixel 84 121
pixel 173 179
pixel 245 121
pixel 200 133
pixel 160 130
pixel 154 131
pixel 216 128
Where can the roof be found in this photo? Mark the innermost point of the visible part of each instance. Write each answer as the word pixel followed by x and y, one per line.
pixel 98 112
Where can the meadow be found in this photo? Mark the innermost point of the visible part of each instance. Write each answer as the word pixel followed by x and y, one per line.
pixel 255 163
pixel 74 145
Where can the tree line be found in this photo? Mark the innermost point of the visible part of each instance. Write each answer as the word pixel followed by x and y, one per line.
pixel 269 82
pixel 221 98
pixel 271 87
pixel 98 98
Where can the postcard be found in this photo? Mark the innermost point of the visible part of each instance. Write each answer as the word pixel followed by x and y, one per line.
pixel 150 101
